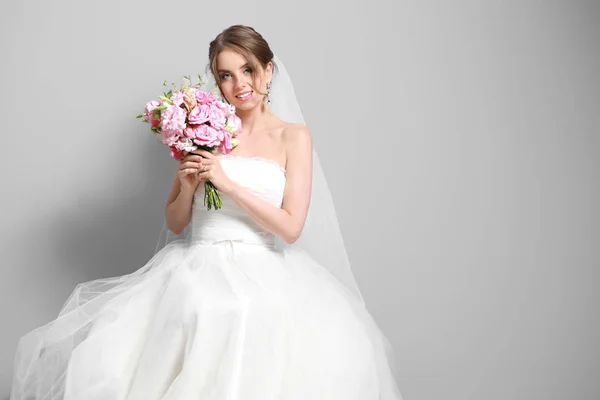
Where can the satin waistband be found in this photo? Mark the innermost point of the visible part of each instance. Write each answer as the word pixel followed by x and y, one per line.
pixel 267 241
pixel 218 228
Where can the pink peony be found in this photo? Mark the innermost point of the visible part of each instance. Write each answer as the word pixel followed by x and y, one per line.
pixel 204 135
pixel 168 137
pixel 149 112
pixel 228 109
pixel 151 105
pixel 173 120
pixel 226 143
pixel 177 98
pixel 216 118
pixel 205 98
pixel 199 114
pixel 193 131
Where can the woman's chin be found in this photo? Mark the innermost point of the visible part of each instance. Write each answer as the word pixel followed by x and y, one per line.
pixel 241 105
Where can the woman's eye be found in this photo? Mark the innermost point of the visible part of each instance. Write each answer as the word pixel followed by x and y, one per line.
pixel 225 75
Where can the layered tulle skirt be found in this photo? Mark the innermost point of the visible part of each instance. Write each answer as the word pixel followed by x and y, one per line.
pixel 224 321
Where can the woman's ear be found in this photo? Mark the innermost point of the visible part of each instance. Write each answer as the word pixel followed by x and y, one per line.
pixel 269 71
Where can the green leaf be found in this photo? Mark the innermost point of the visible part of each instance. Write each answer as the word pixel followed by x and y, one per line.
pixel 166 100
pixel 140 116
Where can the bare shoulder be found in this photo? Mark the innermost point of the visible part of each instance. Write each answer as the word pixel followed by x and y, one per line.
pixel 296 137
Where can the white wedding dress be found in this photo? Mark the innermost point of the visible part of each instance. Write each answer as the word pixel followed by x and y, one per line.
pixel 223 316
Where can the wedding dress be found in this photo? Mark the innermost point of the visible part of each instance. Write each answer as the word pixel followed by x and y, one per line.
pixel 223 315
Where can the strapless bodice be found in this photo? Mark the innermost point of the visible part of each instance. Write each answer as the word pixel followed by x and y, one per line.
pixel 264 178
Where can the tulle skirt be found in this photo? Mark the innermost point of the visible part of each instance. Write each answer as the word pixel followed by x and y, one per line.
pixel 225 321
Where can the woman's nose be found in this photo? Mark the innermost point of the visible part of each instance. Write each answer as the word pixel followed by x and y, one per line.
pixel 240 84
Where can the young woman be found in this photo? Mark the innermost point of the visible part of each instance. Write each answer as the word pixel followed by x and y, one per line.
pixel 252 304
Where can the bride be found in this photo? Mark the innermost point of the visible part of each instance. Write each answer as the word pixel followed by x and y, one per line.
pixel 255 301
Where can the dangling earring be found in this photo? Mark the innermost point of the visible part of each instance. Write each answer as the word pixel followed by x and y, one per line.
pixel 268 91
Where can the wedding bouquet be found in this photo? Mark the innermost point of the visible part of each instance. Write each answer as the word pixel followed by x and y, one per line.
pixel 188 118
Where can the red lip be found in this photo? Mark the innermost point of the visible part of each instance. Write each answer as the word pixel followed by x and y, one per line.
pixel 240 93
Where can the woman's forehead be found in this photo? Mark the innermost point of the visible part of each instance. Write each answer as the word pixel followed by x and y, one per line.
pixel 229 59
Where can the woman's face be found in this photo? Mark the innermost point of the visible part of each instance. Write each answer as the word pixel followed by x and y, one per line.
pixel 236 80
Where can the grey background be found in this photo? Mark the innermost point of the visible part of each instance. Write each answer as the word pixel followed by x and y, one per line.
pixel 460 140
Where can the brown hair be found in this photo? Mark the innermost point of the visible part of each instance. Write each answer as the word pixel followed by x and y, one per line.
pixel 246 41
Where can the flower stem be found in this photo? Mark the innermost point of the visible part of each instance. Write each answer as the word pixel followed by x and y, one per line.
pixel 211 196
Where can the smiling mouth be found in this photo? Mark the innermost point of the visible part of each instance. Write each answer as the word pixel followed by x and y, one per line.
pixel 245 95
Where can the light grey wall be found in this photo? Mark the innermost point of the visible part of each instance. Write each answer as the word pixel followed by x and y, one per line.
pixel 460 139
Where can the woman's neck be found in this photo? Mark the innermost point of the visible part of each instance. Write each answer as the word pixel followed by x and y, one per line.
pixel 254 120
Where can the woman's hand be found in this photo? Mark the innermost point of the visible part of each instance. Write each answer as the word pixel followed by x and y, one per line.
pixel 189 166
pixel 211 170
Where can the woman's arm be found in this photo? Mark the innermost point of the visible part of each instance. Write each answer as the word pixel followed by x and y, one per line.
pixel 288 221
pixel 178 211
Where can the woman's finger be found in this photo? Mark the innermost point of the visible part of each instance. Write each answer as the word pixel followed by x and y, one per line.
pixel 187 171
pixel 204 153
pixel 192 157
pixel 205 175
pixel 190 164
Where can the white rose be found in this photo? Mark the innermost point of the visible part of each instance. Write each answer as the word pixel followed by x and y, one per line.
pixel 185 144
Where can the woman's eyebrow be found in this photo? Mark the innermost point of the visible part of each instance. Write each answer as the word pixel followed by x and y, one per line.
pixel 226 70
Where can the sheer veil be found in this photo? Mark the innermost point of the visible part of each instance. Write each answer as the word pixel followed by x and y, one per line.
pixel 321 237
